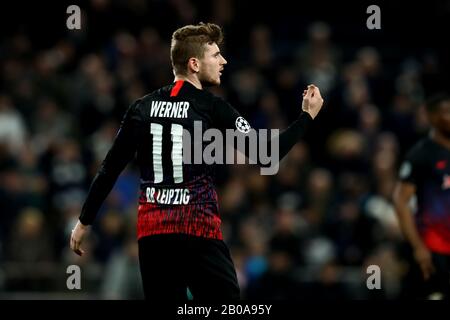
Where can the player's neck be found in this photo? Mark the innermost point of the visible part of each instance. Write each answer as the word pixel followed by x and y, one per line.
pixel 440 138
pixel 192 79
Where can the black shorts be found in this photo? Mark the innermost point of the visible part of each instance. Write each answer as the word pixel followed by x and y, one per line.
pixel 171 263
pixel 415 287
pixel 439 282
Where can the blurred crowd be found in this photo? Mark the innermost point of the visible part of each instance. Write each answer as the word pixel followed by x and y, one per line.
pixel 309 232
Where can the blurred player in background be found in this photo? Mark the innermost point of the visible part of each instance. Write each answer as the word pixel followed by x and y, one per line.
pixel 180 241
pixel 426 174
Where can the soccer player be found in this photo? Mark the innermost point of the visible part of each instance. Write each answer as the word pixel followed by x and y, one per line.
pixel 426 174
pixel 179 236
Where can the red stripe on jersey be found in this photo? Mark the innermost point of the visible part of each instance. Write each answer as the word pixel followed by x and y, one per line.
pixel 196 220
pixel 176 88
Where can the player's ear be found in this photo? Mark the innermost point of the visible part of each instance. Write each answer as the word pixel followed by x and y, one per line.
pixel 194 65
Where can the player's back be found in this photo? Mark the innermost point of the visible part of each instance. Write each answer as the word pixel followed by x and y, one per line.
pixel 175 196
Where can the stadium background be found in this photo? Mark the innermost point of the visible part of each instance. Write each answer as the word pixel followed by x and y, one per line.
pixel 307 233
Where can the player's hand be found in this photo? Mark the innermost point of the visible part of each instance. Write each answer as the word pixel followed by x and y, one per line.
pixel 77 236
pixel 423 258
pixel 312 101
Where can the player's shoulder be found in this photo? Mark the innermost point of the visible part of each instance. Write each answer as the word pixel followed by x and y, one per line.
pixel 206 98
pixel 215 98
pixel 138 108
pixel 165 92
pixel 218 103
pixel 209 95
pixel 141 104
pixel 157 94
pixel 418 159
pixel 205 101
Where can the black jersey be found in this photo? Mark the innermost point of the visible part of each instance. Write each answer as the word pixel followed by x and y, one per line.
pixel 176 197
pixel 427 166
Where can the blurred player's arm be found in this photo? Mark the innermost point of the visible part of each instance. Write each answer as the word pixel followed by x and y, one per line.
pixel 404 191
pixel 119 155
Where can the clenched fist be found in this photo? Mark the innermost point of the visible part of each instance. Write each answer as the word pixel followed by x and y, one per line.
pixel 312 101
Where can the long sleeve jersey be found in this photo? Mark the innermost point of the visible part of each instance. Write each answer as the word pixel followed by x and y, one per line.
pixel 176 196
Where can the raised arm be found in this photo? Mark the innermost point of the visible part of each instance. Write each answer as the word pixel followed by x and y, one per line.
pixel 225 117
pixel 311 105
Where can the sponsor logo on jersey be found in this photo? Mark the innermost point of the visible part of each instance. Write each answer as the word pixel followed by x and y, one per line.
pixel 175 196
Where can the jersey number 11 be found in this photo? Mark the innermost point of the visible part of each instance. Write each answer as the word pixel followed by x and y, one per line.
pixel 176 132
